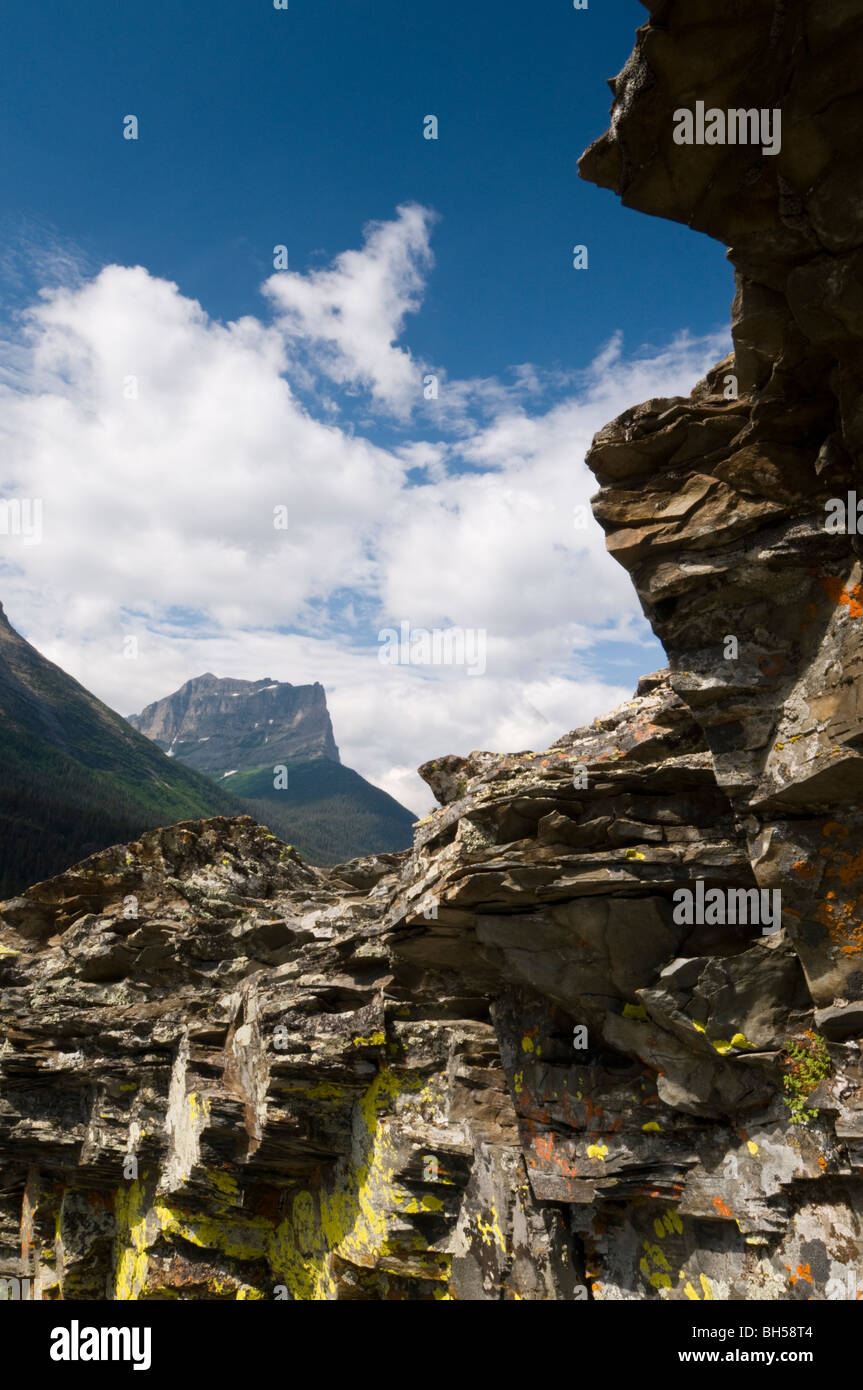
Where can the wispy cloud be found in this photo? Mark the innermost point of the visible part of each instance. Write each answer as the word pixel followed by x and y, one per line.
pixel 344 321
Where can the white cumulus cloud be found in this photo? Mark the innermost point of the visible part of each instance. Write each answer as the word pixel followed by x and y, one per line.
pixel 164 444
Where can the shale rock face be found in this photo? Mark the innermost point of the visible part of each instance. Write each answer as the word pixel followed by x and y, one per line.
pixel 490 1068
pixel 502 1065
pixel 719 507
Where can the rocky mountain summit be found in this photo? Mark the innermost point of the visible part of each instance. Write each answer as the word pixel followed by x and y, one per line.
pixel 504 1064
pixel 218 725
pixel 272 745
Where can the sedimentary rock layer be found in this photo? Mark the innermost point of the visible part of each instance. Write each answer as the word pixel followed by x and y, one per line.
pixel 493 1067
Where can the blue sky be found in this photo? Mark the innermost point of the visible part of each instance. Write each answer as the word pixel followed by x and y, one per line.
pixel 261 127
pixel 302 127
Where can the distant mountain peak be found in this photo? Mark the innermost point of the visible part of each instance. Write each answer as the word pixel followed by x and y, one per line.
pixel 242 730
pixel 222 724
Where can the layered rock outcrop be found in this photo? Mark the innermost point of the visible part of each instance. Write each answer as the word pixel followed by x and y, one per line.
pixel 494 1067
pixel 504 1064
pixel 719 505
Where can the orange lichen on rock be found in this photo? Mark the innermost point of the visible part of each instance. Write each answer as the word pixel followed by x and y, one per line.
pixel 836 590
pixel 838 911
